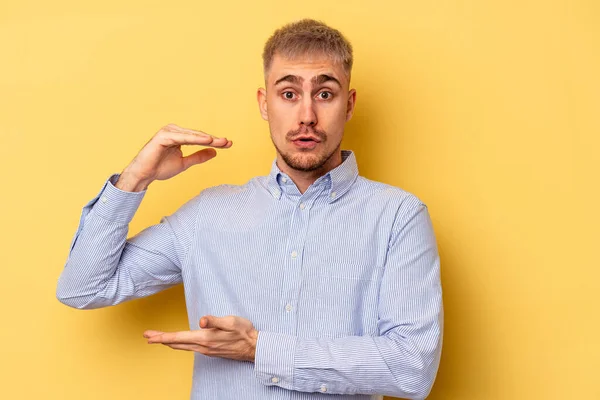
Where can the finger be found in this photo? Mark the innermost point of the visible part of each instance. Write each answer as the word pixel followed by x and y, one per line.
pixel 150 333
pixel 185 337
pixel 168 139
pixel 187 347
pixel 199 157
pixel 223 323
pixel 178 128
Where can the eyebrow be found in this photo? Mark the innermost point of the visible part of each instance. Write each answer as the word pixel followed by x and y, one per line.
pixel 291 79
pixel 320 79
pixel 317 80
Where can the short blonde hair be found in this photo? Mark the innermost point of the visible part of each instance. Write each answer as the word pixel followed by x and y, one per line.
pixel 308 36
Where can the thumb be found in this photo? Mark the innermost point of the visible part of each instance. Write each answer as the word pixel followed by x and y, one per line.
pixel 223 323
pixel 199 157
pixel 208 322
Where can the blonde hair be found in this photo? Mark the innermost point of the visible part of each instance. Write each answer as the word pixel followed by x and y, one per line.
pixel 308 37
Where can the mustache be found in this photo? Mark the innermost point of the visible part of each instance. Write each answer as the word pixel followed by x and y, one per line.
pixel 305 130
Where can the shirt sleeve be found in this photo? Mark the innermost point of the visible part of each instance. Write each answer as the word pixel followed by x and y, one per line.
pixel 105 268
pixel 403 360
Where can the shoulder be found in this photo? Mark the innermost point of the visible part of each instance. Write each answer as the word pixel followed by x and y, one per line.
pixel 405 209
pixel 398 204
pixel 393 196
pixel 224 192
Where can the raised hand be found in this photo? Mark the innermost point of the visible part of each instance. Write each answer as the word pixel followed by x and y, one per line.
pixel 226 337
pixel 161 158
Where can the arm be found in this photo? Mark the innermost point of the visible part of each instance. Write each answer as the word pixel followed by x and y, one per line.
pixel 103 267
pixel 403 360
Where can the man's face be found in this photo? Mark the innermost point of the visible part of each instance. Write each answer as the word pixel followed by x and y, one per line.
pixel 307 104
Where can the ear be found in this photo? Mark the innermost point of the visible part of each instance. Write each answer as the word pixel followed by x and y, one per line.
pixel 350 105
pixel 261 97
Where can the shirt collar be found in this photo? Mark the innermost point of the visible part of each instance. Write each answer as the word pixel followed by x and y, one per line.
pixel 339 179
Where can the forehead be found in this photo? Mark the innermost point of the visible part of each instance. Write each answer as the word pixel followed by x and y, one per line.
pixel 305 66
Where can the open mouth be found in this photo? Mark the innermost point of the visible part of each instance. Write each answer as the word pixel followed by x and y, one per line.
pixel 306 143
pixel 307 138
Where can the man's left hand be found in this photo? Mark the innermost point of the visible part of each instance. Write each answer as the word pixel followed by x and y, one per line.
pixel 226 337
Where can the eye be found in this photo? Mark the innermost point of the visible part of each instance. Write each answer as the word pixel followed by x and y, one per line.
pixel 325 95
pixel 288 95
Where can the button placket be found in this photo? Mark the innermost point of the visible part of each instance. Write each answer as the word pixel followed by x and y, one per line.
pixel 295 258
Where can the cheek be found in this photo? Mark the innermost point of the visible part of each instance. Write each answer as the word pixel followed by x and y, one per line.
pixel 278 123
pixel 281 115
pixel 275 119
pixel 332 116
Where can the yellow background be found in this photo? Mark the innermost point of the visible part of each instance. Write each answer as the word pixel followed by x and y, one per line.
pixel 487 110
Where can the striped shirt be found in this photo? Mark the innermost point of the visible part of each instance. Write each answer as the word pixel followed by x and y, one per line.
pixel 341 281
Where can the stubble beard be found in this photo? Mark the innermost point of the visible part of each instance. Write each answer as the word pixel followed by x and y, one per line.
pixel 304 160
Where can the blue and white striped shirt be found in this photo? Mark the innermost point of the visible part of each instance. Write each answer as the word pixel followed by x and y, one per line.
pixel 342 281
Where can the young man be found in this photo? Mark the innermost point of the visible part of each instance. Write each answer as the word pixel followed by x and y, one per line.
pixel 307 282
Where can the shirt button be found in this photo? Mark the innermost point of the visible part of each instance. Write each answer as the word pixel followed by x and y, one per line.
pixel 294 254
pixel 276 193
pixel 104 199
pixel 333 194
pixel 302 206
pixel 323 388
pixel 274 379
pixel 284 179
pixel 288 307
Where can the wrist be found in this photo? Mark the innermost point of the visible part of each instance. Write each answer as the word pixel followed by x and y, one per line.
pixel 128 182
pixel 252 338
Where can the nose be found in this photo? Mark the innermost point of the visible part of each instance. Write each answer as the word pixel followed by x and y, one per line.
pixel 307 113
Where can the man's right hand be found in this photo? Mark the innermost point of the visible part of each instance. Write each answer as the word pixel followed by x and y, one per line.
pixel 161 158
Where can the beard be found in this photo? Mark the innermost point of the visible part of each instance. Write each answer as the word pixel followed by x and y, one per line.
pixel 302 160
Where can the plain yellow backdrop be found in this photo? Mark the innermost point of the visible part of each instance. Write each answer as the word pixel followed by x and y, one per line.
pixel 486 110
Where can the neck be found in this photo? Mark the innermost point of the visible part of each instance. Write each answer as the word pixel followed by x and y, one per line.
pixel 303 179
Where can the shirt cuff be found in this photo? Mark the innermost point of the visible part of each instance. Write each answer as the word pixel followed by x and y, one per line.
pixel 116 205
pixel 274 359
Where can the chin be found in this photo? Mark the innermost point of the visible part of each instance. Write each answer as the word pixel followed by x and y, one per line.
pixel 305 161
